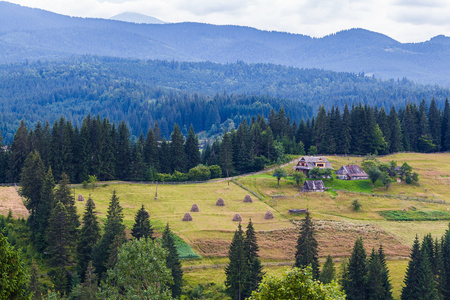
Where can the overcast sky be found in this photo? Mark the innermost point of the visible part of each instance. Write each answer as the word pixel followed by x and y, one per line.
pixel 403 20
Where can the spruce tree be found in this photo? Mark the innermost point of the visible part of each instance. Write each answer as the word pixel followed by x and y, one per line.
pixel 376 278
pixel 191 149
pixel 34 286
pixel 409 291
pixel 426 285
pixel 355 285
pixel 387 287
pixel 89 287
pixel 142 227
pixel 255 272
pixel 226 155
pixel 89 236
pixel 64 195
pixel 44 210
pixel 328 272
pixel 114 227
pixel 237 269
pixel 32 180
pixel 61 246
pixel 177 154
pixel 19 152
pixel 173 261
pixel 307 247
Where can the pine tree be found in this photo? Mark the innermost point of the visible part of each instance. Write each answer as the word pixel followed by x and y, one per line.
pixel 142 227
pixel 237 269
pixel 123 153
pixel 173 261
pixel 226 155
pixel 255 272
pixel 376 278
pixel 191 149
pixel 328 273
pixel 44 210
pixel 89 287
pixel 445 266
pixel 434 121
pixel 19 152
pixel 61 246
pixel 426 285
pixel 387 287
pixel 177 154
pixel 396 135
pixel 89 236
pixel 34 285
pixel 114 227
pixel 411 277
pixel 307 247
pixel 32 180
pixel 355 285
pixel 3 161
pixel 64 195
pixel 151 150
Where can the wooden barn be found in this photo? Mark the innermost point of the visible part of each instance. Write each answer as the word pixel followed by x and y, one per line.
pixel 313 186
pixel 351 172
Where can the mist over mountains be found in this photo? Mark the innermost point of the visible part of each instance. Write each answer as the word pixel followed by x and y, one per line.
pixel 33 34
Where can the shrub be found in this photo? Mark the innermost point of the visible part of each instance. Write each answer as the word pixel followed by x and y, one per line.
pixel 216 171
pixel 356 205
pixel 199 173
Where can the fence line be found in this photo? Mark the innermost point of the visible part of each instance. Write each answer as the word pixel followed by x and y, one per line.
pixel 247 189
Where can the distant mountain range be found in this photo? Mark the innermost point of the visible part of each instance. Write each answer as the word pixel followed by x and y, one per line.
pixel 34 34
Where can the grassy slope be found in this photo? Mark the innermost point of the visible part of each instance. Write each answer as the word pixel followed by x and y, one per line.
pixel 211 231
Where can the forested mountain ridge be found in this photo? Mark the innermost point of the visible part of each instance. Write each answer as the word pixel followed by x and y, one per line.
pixel 31 34
pixel 204 94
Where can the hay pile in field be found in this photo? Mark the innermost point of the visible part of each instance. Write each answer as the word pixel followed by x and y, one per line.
pixel 220 202
pixel 80 197
pixel 247 199
pixel 194 208
pixel 237 217
pixel 187 217
pixel 269 215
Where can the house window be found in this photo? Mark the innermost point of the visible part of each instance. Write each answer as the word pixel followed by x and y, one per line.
pixel 320 165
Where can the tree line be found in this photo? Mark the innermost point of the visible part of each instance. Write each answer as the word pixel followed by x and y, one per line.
pixel 99 148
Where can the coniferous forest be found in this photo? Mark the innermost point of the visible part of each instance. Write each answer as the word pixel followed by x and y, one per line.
pixel 100 148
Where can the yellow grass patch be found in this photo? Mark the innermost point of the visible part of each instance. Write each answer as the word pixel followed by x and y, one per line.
pixel 11 200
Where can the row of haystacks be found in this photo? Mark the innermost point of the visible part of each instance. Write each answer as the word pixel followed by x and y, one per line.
pixel 220 202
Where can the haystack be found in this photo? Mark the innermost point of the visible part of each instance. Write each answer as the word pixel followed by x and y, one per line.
pixel 247 199
pixel 220 202
pixel 187 217
pixel 237 217
pixel 269 215
pixel 80 197
pixel 194 208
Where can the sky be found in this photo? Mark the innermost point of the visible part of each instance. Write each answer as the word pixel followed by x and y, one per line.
pixel 403 20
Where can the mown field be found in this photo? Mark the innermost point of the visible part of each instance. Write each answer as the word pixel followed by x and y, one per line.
pixel 391 221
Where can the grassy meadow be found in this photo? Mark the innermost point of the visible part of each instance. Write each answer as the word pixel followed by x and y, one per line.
pixel 393 222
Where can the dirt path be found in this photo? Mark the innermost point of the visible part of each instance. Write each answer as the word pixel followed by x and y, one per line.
pixel 255 173
pixel 11 200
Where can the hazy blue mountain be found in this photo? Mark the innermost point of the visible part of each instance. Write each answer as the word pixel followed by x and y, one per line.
pixel 136 18
pixel 31 34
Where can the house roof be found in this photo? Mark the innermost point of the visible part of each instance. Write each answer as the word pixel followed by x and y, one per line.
pixel 351 170
pixel 311 162
pixel 314 185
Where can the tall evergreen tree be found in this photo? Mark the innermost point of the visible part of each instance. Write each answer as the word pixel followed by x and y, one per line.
pixel 396 135
pixel 376 278
pixel 89 236
pixel 114 227
pixel 255 272
pixel 445 266
pixel 446 127
pixel 19 152
pixel 123 153
pixel 61 246
pixel 177 154
pixel 409 291
pixel 142 227
pixel 151 150
pixel 237 269
pixel 64 195
pixel 3 161
pixel 173 262
pixel 307 252
pixel 434 121
pixel 32 180
pixel 226 155
pixel 44 210
pixel 191 149
pixel 355 284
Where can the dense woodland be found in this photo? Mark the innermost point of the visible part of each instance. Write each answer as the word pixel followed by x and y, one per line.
pixel 210 96
pixel 101 149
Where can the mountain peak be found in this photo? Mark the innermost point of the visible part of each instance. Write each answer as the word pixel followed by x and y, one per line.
pixel 133 17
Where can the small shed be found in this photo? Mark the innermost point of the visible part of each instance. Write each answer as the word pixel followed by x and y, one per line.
pixel 351 172
pixel 313 186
